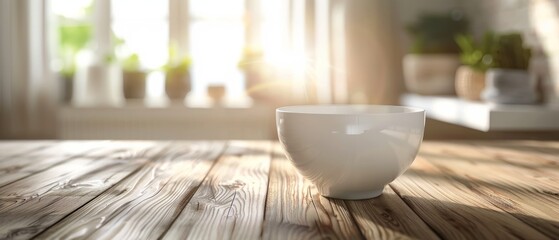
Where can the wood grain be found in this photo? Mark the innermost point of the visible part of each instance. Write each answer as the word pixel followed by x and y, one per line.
pixel 388 217
pixel 143 205
pixel 11 171
pixel 10 149
pixel 544 150
pixel 295 209
pixel 183 190
pixel 453 210
pixel 45 154
pixel 520 154
pixel 230 202
pixel 521 184
pixel 34 203
pixel 127 149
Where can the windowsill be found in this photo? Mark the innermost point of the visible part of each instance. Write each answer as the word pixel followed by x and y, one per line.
pixel 191 103
pixel 188 102
pixel 175 120
pixel 173 104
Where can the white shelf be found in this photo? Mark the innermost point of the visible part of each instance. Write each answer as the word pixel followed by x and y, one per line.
pixel 486 117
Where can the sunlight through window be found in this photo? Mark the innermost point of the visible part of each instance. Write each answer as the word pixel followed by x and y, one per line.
pixel 217 38
pixel 214 34
pixel 142 25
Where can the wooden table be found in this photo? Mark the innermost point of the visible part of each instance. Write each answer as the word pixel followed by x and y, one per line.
pixel 248 190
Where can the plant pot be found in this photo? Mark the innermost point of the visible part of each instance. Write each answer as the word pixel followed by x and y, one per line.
pixel 469 83
pixel 66 86
pixel 177 84
pixel 509 86
pixel 430 74
pixel 216 92
pixel 134 84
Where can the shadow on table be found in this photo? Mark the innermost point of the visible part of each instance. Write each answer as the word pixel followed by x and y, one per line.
pixel 526 149
pixel 450 220
pixel 472 183
pixel 501 161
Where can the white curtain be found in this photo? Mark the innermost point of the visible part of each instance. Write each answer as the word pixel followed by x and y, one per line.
pixel 373 52
pixel 27 89
pixel 352 49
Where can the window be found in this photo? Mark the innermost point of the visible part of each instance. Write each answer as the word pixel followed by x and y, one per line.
pixel 215 37
pixel 216 41
pixel 142 27
pixel 73 31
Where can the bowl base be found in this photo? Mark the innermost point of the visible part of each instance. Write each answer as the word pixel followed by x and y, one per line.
pixel 355 195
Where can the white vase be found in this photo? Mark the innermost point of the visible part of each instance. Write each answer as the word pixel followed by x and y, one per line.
pixel 98 84
pixel 509 86
pixel 430 74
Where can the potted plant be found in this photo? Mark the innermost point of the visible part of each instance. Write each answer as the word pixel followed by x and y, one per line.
pixel 476 59
pixel 431 66
pixel 177 75
pixel 66 80
pixel 216 92
pixel 508 80
pixel 73 36
pixel 133 77
pixel 98 80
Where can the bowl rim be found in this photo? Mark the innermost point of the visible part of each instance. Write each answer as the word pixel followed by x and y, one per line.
pixel 366 109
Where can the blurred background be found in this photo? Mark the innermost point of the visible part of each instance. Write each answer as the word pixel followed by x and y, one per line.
pixel 217 69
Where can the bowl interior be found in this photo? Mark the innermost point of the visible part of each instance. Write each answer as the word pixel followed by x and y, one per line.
pixel 348 109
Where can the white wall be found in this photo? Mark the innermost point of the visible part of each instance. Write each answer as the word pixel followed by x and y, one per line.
pixel 409 10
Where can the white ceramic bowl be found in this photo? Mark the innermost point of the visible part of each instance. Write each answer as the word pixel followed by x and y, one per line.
pixel 350 151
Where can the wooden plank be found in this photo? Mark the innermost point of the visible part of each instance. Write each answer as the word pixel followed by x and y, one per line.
pixel 143 205
pixel 453 209
pixel 545 152
pixel 69 148
pixel 521 184
pixel 11 150
pixel 127 149
pixel 32 204
pixel 17 148
pixel 230 202
pixel 20 167
pixel 295 209
pixel 388 217
pixel 528 154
